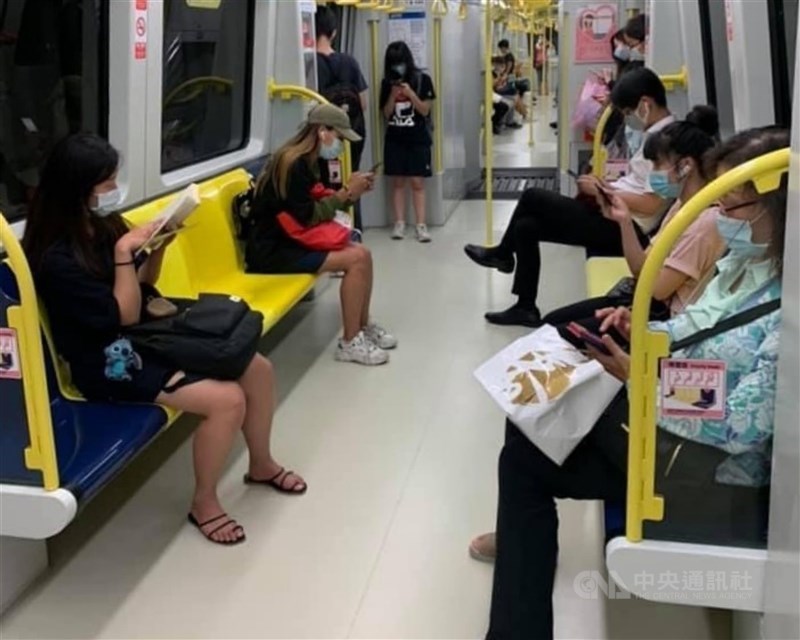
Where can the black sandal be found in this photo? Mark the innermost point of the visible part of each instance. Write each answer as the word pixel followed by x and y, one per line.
pixel 226 543
pixel 278 485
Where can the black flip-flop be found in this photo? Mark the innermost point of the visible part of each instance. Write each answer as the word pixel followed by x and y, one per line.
pixel 278 486
pixel 226 543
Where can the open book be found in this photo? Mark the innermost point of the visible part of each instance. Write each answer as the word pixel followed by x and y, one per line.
pixel 172 218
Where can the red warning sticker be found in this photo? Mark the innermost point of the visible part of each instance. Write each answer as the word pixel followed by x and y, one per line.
pixel 140 30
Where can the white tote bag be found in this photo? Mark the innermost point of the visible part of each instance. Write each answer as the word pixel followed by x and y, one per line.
pixel 549 389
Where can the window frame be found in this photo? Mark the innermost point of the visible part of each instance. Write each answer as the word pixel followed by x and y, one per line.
pixel 102 97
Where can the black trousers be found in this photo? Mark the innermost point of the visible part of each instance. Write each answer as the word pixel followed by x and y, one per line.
pixel 697 509
pixel 356 151
pixel 545 216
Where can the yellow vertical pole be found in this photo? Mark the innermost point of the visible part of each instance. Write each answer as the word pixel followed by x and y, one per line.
pixel 438 159
pixel 487 122
pixel 564 43
pixel 532 57
pixel 375 86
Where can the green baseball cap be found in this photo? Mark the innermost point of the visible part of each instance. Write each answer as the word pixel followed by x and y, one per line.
pixel 329 115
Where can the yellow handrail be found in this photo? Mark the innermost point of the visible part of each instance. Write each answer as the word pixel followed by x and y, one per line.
pixel 647 347
pixel 673 80
pixel 599 152
pixel 289 91
pixel 375 84
pixel 487 122
pixel 438 134
pixel 24 319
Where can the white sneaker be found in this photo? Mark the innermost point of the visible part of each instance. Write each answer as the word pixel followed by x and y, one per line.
pixel 361 351
pixel 422 233
pixel 379 336
pixel 399 231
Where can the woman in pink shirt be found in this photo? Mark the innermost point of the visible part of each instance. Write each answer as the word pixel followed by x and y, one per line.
pixel 677 153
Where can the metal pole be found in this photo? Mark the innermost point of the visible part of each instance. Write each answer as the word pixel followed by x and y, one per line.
pixel 487 121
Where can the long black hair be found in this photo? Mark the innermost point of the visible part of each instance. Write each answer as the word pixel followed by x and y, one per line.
pixel 60 208
pixel 690 138
pixel 399 53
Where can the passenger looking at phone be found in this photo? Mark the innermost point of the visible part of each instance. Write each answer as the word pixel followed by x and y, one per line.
pixel 679 154
pixel 545 216
pixel 714 474
pixel 287 184
pixel 406 101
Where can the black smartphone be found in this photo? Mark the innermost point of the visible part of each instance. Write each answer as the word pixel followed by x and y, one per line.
pixel 572 174
pixel 606 196
pixel 581 332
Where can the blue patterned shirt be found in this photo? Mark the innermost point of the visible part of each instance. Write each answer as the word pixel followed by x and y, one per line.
pixel 751 355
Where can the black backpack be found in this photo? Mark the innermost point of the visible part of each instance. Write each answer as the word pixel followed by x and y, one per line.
pixel 343 94
pixel 215 336
pixel 243 220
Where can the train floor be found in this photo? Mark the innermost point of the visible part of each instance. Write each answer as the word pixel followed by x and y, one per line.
pixel 401 465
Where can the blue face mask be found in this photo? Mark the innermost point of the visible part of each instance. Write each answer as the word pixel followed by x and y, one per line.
pixel 331 151
pixel 662 187
pixel 634 139
pixel 738 235
pixel 622 53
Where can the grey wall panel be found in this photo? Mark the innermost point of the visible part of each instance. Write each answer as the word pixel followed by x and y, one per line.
pixel 783 568
pixel 722 68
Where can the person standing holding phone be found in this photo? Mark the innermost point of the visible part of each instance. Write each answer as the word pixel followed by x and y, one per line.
pixel 406 101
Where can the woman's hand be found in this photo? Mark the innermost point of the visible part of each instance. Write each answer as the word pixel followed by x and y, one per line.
pixel 619 318
pixel 588 185
pixel 618 363
pixel 409 92
pixel 360 183
pixel 618 211
pixel 132 241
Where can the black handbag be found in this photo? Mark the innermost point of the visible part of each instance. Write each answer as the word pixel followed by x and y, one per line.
pixel 622 296
pixel 215 336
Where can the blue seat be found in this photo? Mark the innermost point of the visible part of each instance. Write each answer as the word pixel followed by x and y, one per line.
pixel 614 519
pixel 94 440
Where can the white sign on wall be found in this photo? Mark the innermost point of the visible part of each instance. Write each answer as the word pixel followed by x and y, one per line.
pixel 410 27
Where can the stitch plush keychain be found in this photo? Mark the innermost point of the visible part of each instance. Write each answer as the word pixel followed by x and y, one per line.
pixel 120 359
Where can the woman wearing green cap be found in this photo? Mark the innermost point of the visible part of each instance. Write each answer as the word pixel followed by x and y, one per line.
pixel 287 184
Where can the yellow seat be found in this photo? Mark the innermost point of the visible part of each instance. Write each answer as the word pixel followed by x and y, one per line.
pixel 205 258
pixel 603 273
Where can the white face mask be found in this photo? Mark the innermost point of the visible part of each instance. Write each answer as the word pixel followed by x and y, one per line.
pixel 107 203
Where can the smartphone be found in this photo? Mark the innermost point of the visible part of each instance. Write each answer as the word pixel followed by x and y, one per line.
pixel 375 168
pixel 606 196
pixel 582 333
pixel 572 174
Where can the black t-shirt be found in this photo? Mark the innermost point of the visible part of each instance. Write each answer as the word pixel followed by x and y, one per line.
pixel 406 124
pixel 339 68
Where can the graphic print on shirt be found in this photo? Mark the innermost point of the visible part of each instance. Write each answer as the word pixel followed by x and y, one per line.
pixel 403 114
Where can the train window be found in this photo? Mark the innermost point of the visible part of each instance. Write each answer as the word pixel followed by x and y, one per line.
pixel 53 60
pixel 206 79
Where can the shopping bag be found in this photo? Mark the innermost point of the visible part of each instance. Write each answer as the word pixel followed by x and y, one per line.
pixel 591 103
pixel 551 391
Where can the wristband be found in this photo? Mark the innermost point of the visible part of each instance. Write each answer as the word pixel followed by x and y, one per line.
pixel 124 264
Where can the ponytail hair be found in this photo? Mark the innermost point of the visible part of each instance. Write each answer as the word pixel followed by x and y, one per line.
pixel 690 138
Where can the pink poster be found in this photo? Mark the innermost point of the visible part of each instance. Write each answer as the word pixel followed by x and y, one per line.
pixel 595 25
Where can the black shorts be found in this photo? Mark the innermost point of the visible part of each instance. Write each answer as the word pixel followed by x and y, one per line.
pixel 402 159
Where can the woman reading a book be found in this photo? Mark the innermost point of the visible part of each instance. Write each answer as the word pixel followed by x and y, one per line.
pixel 93 280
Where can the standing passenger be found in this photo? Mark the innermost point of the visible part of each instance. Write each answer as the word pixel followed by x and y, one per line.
pixel 406 101
pixel 340 80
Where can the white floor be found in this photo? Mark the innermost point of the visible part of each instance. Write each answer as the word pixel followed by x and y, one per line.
pixel 401 463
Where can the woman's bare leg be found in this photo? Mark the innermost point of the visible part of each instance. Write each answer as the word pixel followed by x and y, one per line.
pixel 418 196
pixel 355 261
pixel 222 406
pixel 258 383
pixel 399 198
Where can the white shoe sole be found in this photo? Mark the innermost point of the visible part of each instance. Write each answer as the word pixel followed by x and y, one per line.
pixel 342 357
